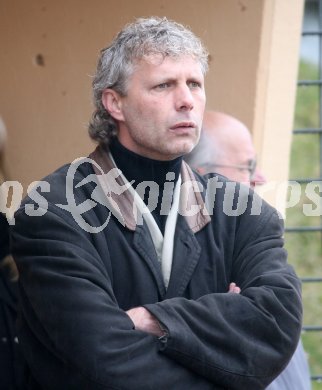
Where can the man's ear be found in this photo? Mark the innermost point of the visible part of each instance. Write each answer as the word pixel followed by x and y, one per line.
pixel 112 102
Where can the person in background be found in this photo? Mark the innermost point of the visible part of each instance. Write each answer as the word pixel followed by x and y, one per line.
pixel 11 359
pixel 226 147
pixel 123 272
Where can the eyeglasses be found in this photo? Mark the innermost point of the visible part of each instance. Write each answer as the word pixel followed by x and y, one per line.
pixel 251 167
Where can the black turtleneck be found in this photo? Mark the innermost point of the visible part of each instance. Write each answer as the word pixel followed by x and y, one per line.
pixel 143 169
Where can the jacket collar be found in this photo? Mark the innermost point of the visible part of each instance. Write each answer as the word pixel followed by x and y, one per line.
pixel 121 202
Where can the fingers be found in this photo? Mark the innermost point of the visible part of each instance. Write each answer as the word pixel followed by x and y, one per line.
pixel 233 288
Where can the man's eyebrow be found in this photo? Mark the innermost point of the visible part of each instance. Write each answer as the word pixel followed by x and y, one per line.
pixel 163 79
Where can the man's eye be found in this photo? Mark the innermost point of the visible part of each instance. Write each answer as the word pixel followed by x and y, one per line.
pixel 194 84
pixel 163 86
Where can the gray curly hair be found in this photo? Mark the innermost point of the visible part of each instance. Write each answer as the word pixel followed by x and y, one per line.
pixel 116 63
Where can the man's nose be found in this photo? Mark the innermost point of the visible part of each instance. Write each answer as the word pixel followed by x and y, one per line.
pixel 184 98
pixel 258 178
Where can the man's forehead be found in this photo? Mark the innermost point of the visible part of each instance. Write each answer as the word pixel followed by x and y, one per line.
pixel 157 59
pixel 245 151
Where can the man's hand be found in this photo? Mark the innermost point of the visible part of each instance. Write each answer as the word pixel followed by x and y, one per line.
pixel 233 288
pixel 145 321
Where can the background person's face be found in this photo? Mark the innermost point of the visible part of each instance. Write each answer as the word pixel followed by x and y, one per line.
pixel 234 154
pixel 163 109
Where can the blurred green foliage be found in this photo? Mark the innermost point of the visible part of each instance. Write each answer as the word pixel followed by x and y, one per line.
pixel 305 249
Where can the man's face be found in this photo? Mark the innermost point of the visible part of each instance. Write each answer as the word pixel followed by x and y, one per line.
pixel 235 157
pixel 239 157
pixel 161 114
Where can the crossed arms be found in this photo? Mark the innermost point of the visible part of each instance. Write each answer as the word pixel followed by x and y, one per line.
pixel 79 327
pixel 143 320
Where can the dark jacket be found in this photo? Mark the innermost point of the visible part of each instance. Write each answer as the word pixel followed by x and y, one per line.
pixel 76 285
pixel 11 360
pixel 4 237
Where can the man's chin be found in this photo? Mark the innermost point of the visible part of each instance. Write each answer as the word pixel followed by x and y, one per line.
pixel 186 147
pixel 173 151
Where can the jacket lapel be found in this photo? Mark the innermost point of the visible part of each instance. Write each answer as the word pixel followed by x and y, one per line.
pixel 186 255
pixel 121 205
pixel 186 251
pixel 118 198
pixel 143 244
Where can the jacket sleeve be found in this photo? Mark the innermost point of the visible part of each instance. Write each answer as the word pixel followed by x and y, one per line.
pixel 240 341
pixel 72 331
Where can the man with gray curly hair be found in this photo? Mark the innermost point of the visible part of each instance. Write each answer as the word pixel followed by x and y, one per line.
pixel 135 293
pixel 149 39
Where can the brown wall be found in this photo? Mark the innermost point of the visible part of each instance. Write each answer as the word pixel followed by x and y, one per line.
pixel 49 50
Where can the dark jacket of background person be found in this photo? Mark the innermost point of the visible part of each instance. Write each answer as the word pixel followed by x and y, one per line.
pixel 76 334
pixel 11 361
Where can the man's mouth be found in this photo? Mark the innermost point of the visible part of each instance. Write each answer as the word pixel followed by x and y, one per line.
pixel 183 126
